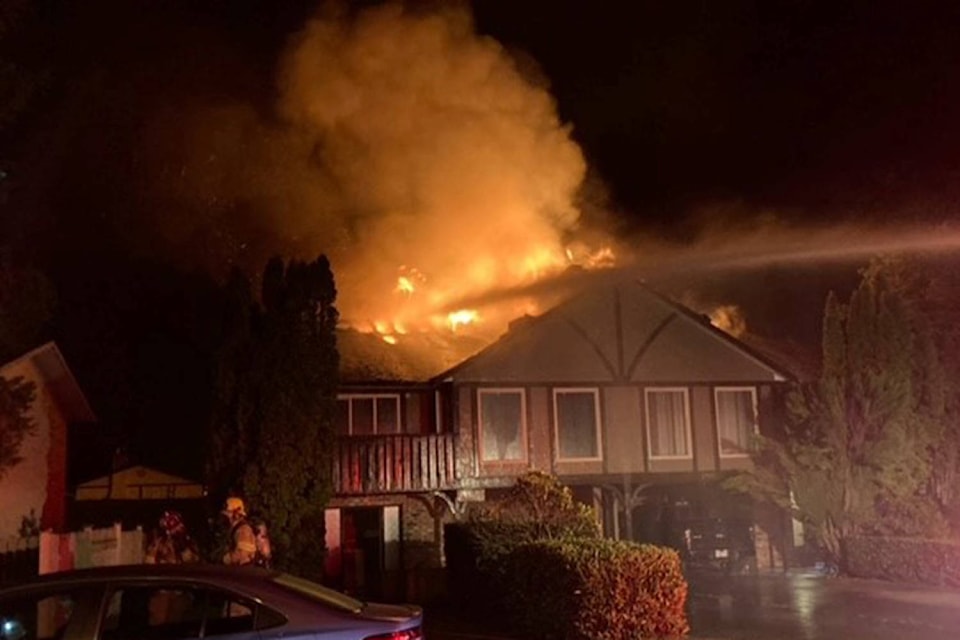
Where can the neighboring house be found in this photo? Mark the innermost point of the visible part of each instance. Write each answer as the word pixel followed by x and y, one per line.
pixel 136 496
pixel 139 483
pixel 637 403
pixel 36 488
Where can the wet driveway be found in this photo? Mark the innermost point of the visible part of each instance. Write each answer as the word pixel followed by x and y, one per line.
pixel 808 606
pixel 799 606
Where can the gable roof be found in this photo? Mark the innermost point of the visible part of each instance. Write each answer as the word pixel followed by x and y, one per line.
pixel 133 473
pixel 622 332
pixel 49 362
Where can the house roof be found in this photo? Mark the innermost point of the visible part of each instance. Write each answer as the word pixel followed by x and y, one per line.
pixel 623 331
pixel 365 358
pixel 50 363
pixel 154 476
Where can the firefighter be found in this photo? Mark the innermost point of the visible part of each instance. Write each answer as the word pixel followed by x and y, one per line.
pixel 172 543
pixel 243 539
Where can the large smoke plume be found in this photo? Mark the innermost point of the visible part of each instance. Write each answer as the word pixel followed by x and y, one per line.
pixel 449 166
pixel 410 149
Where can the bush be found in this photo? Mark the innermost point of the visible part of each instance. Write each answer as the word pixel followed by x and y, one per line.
pixel 538 557
pixel 544 509
pixel 537 507
pixel 594 589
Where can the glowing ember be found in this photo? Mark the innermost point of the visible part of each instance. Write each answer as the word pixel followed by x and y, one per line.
pixel 404 285
pixel 389 339
pixel 462 318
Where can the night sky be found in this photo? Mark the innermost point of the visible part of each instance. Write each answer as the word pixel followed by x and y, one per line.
pixel 835 109
pixel 155 155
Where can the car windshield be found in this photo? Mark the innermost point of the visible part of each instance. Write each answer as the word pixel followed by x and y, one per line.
pixel 318 592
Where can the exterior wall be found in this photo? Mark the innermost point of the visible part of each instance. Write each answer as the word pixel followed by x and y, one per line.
pixel 25 488
pixel 55 507
pixel 623 435
pixel 467 466
pixel 540 429
pixel 624 443
pixel 704 429
pixel 414 412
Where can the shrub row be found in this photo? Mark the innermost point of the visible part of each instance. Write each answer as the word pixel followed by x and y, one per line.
pixel 934 562
pixel 567 589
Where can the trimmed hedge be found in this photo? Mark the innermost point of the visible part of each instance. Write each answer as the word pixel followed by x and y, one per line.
pixel 570 589
pixel 595 589
pixel 933 562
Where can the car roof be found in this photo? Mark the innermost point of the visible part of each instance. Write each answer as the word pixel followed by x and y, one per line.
pixel 219 574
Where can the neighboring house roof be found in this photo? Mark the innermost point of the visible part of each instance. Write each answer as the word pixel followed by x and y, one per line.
pixel 59 379
pixel 138 482
pixel 619 332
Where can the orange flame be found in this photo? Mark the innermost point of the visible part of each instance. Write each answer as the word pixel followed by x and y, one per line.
pixel 462 318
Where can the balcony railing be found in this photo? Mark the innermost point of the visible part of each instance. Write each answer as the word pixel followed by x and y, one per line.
pixel 394 464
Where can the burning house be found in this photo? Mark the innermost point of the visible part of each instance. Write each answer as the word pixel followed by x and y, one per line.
pixel 637 403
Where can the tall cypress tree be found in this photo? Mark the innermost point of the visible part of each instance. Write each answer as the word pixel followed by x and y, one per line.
pixel 861 441
pixel 274 431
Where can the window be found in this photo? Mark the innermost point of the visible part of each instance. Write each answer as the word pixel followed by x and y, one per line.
pixel 154 612
pixel 736 419
pixel 44 616
pixel 668 423
pixel 171 612
pixel 368 414
pixel 502 425
pixel 577 419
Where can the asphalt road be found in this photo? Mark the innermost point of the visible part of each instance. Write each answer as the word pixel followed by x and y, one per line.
pixel 799 606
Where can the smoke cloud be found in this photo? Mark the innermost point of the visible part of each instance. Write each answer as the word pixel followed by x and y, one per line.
pixel 441 162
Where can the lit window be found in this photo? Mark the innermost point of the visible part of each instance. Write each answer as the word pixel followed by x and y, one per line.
pixel 577 421
pixel 668 423
pixel 736 419
pixel 368 414
pixel 502 425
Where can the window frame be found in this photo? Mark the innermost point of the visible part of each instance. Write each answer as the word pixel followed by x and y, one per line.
pixel 350 397
pixel 651 455
pixel 524 442
pixel 716 412
pixel 598 422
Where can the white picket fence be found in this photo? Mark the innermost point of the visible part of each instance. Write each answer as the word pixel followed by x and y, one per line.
pixel 90 548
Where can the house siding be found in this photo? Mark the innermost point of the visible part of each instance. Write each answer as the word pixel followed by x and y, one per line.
pixel 24 488
pixel 541 445
pixel 467 454
pixel 624 443
pixel 55 505
pixel 704 428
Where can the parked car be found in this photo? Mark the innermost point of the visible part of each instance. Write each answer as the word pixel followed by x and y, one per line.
pixel 181 602
pixel 719 544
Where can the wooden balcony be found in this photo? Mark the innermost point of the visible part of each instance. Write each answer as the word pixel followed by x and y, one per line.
pixel 394 464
